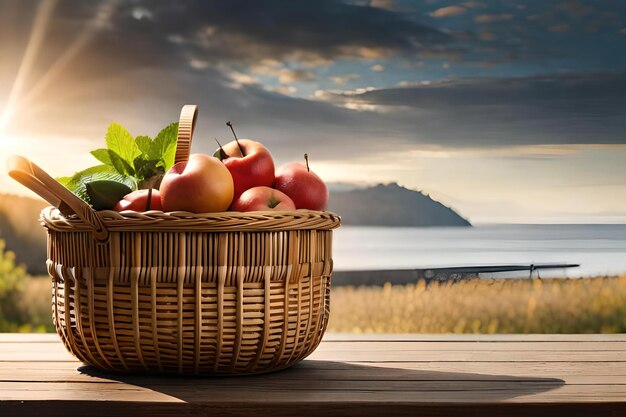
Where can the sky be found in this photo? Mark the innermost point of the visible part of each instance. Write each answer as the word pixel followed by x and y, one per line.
pixel 508 111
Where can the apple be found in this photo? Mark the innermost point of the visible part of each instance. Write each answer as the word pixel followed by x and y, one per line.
pixel 138 201
pixel 249 162
pixel 200 185
pixel 302 185
pixel 261 199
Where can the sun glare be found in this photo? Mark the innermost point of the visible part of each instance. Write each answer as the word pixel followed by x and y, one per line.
pixel 37 34
pixel 100 20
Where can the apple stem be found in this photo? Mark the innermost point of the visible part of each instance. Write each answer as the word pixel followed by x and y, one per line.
pixel 223 154
pixel 149 202
pixel 306 159
pixel 230 124
pixel 273 201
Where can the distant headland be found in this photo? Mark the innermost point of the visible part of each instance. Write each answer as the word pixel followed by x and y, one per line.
pixel 391 205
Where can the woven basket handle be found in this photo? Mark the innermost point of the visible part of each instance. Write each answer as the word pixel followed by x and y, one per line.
pixel 33 177
pixel 186 126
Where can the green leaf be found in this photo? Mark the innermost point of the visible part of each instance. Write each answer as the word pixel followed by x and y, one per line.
pixel 122 143
pixel 76 179
pixel 120 165
pixel 145 168
pixel 64 180
pixel 104 194
pixel 145 145
pixel 169 156
pixel 76 183
pixel 148 172
pixel 102 155
pixel 165 144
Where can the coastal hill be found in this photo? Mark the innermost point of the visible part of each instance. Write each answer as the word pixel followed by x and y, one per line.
pixel 391 205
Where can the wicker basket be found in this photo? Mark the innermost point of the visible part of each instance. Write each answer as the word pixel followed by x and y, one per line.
pixel 184 293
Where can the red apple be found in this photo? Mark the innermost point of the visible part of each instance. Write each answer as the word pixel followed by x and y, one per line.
pixel 262 199
pixel 251 168
pixel 200 185
pixel 138 201
pixel 303 186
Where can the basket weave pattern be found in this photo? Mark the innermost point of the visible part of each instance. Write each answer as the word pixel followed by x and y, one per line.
pixel 225 293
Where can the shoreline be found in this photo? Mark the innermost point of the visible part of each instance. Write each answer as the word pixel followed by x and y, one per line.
pixel 380 277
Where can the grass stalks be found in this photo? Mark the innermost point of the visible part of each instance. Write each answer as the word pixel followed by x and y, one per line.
pixel 591 305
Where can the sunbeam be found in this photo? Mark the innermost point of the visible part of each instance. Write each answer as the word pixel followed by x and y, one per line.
pixel 100 20
pixel 40 25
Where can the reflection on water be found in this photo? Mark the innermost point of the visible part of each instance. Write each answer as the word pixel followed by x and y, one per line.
pixel 599 249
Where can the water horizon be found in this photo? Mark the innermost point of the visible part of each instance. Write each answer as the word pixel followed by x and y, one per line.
pixel 600 249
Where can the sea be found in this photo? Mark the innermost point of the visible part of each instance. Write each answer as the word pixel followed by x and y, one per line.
pixel 600 249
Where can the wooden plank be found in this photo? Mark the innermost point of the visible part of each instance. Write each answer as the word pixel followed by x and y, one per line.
pixel 370 351
pixel 306 409
pixel 227 390
pixel 378 346
pixel 393 337
pixel 28 337
pixel 387 337
pixel 512 356
pixel 593 371
pixel 319 371
pixel 37 352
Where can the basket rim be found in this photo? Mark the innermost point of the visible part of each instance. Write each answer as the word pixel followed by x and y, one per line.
pixel 182 221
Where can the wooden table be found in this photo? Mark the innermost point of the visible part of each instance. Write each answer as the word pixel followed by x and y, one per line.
pixel 426 375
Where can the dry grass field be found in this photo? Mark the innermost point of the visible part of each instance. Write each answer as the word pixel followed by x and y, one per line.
pixel 596 305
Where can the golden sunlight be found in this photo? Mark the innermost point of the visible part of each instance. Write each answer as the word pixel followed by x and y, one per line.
pixel 42 18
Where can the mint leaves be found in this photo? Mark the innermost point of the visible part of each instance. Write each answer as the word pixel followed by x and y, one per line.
pixel 77 182
pixel 140 157
pixel 138 162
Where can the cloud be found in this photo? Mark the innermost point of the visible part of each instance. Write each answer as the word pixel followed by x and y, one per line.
pixel 240 79
pixel 198 64
pixel 474 4
pixel 492 18
pixel 290 76
pixel 540 110
pixel 283 89
pixel 448 11
pixel 383 4
pixel 486 36
pixel 344 78
pixel 455 55
pixel 140 13
pixel 275 69
pixel 377 68
pixel 538 17
pixel 559 28
pixel 267 66
pixel 575 8
pixel 245 31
